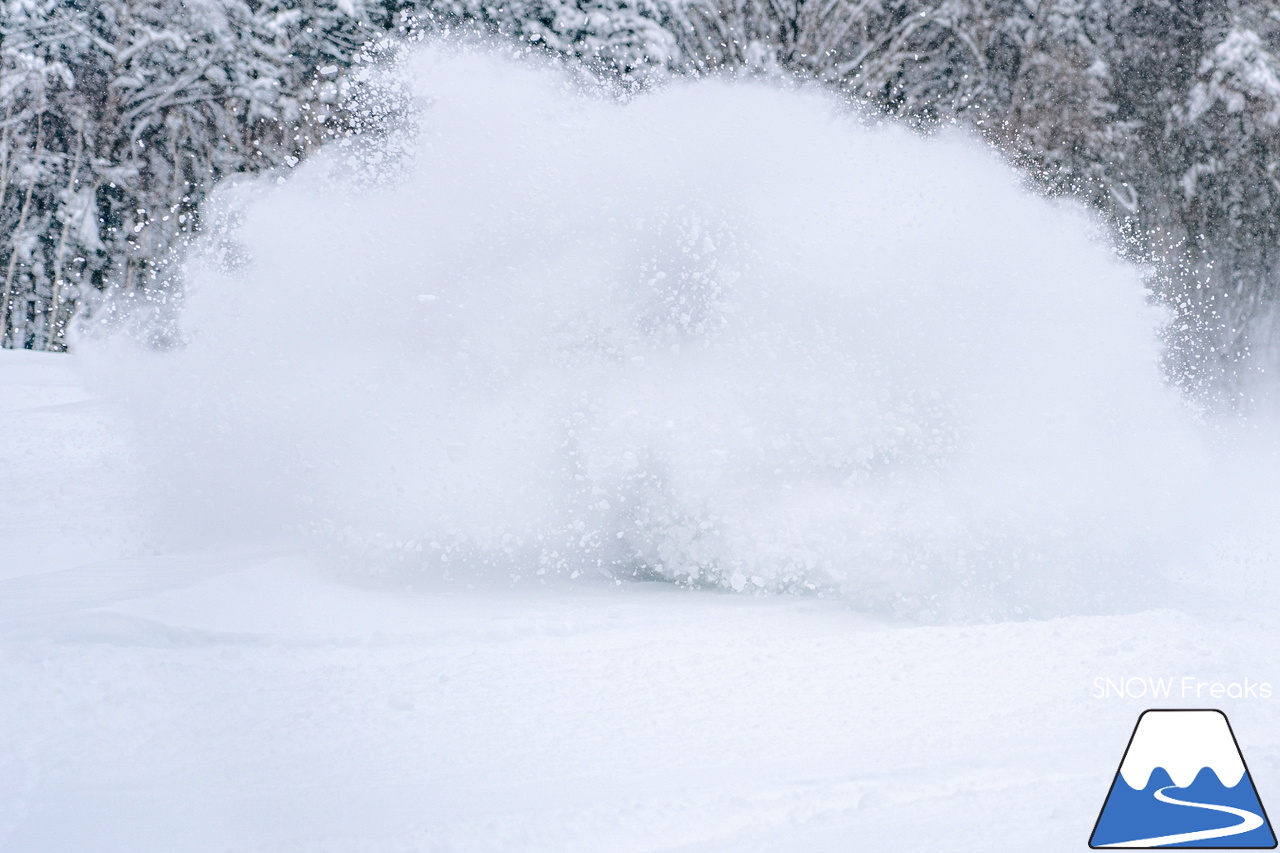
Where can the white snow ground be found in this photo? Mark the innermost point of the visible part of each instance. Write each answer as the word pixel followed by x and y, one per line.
pixel 253 701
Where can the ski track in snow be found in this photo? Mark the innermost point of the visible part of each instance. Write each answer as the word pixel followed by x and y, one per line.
pixel 255 702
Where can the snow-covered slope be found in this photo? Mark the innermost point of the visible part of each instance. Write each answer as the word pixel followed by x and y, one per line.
pixel 67 470
pixel 232 701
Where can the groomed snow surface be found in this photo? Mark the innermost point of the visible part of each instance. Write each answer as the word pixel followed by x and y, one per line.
pixel 708 472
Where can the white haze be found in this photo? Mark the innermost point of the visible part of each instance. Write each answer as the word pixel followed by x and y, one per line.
pixel 725 333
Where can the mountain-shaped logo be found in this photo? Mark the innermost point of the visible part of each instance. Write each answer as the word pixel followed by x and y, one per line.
pixel 1183 783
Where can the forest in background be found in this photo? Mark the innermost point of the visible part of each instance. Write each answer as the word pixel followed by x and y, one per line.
pixel 118 116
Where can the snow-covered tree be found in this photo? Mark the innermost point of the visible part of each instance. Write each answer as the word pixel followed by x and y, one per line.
pixel 118 115
pixel 1225 193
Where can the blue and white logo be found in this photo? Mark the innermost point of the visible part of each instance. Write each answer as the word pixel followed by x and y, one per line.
pixel 1183 783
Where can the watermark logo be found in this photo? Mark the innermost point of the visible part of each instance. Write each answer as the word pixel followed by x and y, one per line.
pixel 1182 783
pixel 1177 687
